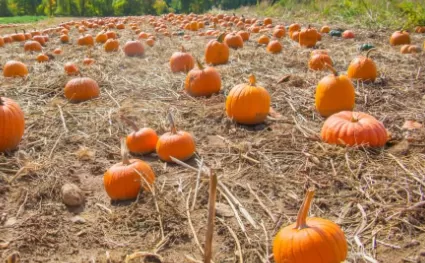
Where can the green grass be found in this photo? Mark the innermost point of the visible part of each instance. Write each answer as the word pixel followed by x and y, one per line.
pixel 21 19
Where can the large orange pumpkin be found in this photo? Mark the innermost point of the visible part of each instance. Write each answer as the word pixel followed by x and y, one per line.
pixel 274 47
pixel 308 37
pixel 14 68
pixel 81 89
pixel 234 41
pixel 354 129
pixel 363 68
pixel 312 239
pixel 217 52
pixel 334 93
pixel 400 38
pixel 181 61
pixel 133 48
pixel 248 103
pixel 32 46
pixel 12 124
pixel 86 40
pixel 203 81
pixel 177 144
pixel 124 180
pixel 111 45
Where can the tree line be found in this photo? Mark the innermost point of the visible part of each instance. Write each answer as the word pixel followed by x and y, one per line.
pixel 113 7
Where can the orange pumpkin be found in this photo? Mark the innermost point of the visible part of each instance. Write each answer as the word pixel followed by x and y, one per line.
pixel 71 69
pixel 124 180
pixel 334 93
pixel 133 48
pixel 42 58
pixel 140 141
pixel 354 129
pixel 233 40
pixel 325 29
pixel 203 81
pixel 362 68
pixel 143 35
pixel 248 103
pixel 244 35
pixel 81 89
pixel 308 37
pixel 263 40
pixel 32 46
pixel 64 38
pixel 318 61
pixel 12 124
pixel 267 21
pixel 177 144
pixel 217 52
pixel 400 38
pixel 181 61
pixel 88 61
pixel 14 68
pixel 111 45
pixel 111 34
pixel 40 39
pixel 1 42
pixel 18 37
pixel 295 35
pixel 274 47
pixel 313 239
pixel 294 27
pixel 101 37
pixel 279 33
pixel 86 40
pixel 150 41
pixel 57 51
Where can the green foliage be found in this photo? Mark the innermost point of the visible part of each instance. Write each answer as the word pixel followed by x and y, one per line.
pixel 4 8
pixel 160 7
pixel 20 19
pixel 414 13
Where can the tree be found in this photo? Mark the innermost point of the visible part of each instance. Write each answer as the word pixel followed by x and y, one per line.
pixel 4 8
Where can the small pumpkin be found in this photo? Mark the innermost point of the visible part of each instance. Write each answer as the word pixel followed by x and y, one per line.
pixel 274 47
pixel 86 40
pixel 101 37
pixel 310 239
pixel 124 180
pixel 64 38
pixel 71 69
pixel 335 33
pixel 57 51
pixel 203 81
pixel 181 61
pixel 177 144
pixel 42 58
pixel 81 89
pixel 348 34
pixel 133 48
pixel 295 36
pixel 400 38
pixel 40 39
pixel 18 37
pixel 354 129
pixel 111 34
pixel 244 35
pixel 111 45
pixel 1 42
pixel 88 61
pixel 150 42
pixel 12 124
pixel 363 68
pixel 141 141
pixel 14 68
pixel 318 61
pixel 325 29
pixel 248 103
pixel 334 93
pixel 279 32
pixel 233 41
pixel 217 52
pixel 308 37
pixel 263 40
pixel 32 46
pixel 294 27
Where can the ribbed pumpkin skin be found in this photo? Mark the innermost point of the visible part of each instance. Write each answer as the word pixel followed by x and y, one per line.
pixel 81 89
pixel 111 45
pixel 181 62
pixel 334 94
pixel 133 49
pixel 123 183
pixel 32 46
pixel 362 68
pixel 203 82
pixel 180 145
pixel 248 104
pixel 354 129
pixel 142 141
pixel 1 42
pixel 307 37
pixel 14 68
pixel 12 124
pixel 216 53
pixel 319 61
pixel 322 242
pixel 234 41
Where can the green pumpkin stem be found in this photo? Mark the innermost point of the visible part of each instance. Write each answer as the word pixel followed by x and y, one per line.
pixel 303 212
pixel 172 123
pixel 124 152
pixel 221 38
pixel 370 50
pixel 199 64
pixel 331 69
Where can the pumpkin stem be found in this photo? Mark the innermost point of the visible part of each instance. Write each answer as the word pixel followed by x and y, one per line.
pixel 370 50
pixel 129 123
pixel 331 69
pixel 303 212
pixel 172 123
pixel 220 38
pixel 124 152
pixel 252 80
pixel 199 64
pixel 354 118
pixel 1 101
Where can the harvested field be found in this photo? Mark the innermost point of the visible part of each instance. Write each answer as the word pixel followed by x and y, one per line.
pixel 375 195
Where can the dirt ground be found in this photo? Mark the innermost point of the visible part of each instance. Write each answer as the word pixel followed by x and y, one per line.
pixel 375 195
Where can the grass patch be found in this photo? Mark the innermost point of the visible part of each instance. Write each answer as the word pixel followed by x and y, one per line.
pixel 21 19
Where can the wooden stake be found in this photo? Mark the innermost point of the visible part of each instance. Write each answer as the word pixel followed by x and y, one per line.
pixel 211 217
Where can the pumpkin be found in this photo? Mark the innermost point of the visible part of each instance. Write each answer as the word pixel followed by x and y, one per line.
pixel 64 38
pixel 366 47
pixel 120 26
pixel 111 34
pixel 111 45
pixel 308 37
pixel 1 42
pixel 274 47
pixel 348 34
pixel 133 48
pixel 27 35
pixel 263 40
pixel 410 49
pixel 71 69
pixel 57 51
pixel 124 180
pixel 88 61
pixel 295 35
pixel 233 40
pixel 81 89
pixel 362 68
pixel 334 93
pixel 7 39
pixel 18 37
pixel 244 35
pixel 86 40
pixel 420 29
pixel 400 38
pixel 40 39
pixel 312 239
pixel 248 103
pixel 318 61
pixel 325 29
pixel 181 61
pixel 32 46
pixel 150 42
pixel 335 33
pixel 14 68
pixel 12 124
pixel 42 58
pixel 101 37
pixel 294 27
pixel 267 21
pixel 177 144
pixel 203 81
pixel 140 141
pixel 143 35
pixel 354 129
pixel 279 33
pixel 217 52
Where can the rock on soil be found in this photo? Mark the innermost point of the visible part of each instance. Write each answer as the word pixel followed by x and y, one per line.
pixel 72 195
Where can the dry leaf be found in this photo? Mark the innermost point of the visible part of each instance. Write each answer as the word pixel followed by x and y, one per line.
pixel 411 125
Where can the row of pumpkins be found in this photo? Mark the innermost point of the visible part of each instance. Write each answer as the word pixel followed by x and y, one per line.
pixel 246 103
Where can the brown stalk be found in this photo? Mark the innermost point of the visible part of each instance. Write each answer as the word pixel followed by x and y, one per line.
pixel 211 217
pixel 124 152
pixel 172 123
pixel 303 212
pixel 331 69
pixel 199 64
